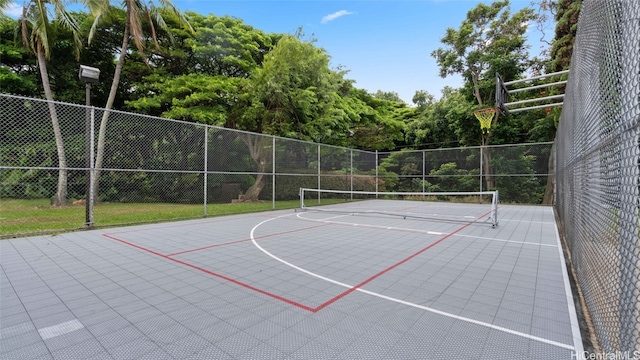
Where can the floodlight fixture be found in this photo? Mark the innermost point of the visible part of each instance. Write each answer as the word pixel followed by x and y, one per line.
pixel 89 74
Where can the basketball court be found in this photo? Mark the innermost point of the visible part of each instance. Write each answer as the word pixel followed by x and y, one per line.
pixel 333 284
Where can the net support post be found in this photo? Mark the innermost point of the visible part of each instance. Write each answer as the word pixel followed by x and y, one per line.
pixel 494 208
pixel 301 194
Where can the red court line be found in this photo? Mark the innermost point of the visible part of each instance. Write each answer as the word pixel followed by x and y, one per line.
pixel 277 297
pixel 244 240
pixel 289 301
pixel 349 291
pixel 182 224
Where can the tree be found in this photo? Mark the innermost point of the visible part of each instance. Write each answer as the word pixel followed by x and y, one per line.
pixel 387 95
pixel 293 96
pixel 446 122
pixel 3 5
pixel 227 46
pixel 422 98
pixel 489 40
pixel 18 74
pixel 136 13
pixel 364 121
pixel 198 98
pixel 37 34
pixel 567 15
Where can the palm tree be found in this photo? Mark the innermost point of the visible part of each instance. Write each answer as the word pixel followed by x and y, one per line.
pixel 137 12
pixel 37 34
pixel 3 5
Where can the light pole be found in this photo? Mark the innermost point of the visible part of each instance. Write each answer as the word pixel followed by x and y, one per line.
pixel 89 75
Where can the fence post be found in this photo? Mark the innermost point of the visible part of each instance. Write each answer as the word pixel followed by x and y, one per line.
pixel 319 175
pixel 351 169
pixel 273 174
pixel 481 170
pixel 206 163
pixel 377 162
pixel 424 170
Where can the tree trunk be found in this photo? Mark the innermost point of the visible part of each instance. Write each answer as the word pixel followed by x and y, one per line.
pixel 60 198
pixel 105 116
pixel 486 161
pixel 258 153
pixel 253 193
pixel 476 88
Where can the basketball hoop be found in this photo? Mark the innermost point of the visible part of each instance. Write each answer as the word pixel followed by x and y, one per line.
pixel 485 116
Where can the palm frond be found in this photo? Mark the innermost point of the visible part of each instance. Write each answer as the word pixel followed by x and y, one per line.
pixel 68 21
pixel 135 11
pixel 97 9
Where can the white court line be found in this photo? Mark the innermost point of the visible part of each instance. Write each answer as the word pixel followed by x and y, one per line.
pixel 573 317
pixel 531 222
pixel 504 240
pixel 367 225
pixel 422 307
pixel 418 231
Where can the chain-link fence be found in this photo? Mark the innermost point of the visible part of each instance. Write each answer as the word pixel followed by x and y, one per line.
pixel 133 159
pixel 598 159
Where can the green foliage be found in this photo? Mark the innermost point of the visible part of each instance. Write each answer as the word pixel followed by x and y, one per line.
pixel 17 65
pixel 388 95
pixel 567 15
pixel 226 46
pixel 524 188
pixel 450 178
pixel 368 122
pixel 288 187
pixel 228 73
pixel 293 92
pixel 489 40
pixel 196 98
pixel 447 122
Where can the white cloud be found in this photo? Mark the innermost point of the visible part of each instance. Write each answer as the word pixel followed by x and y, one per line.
pixel 12 10
pixel 335 15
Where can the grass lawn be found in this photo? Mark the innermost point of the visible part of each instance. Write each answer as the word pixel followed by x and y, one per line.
pixel 21 217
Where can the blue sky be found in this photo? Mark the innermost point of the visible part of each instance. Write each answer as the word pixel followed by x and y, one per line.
pixel 385 44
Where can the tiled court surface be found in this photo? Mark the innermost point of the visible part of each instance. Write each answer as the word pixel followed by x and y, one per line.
pixel 292 285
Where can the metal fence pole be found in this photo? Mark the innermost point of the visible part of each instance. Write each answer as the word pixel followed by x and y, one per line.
pixel 351 169
pixel 377 162
pixel 424 170
pixel 481 171
pixel 273 174
pixel 206 163
pixel 319 173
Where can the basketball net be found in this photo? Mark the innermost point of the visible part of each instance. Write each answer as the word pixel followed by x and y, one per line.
pixel 485 116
